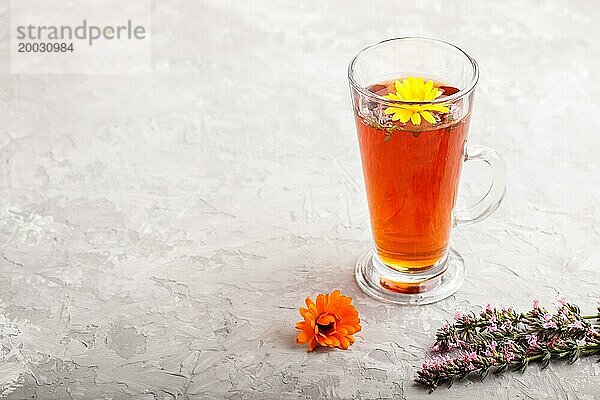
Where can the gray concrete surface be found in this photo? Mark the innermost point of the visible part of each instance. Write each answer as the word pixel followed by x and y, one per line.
pixel 158 231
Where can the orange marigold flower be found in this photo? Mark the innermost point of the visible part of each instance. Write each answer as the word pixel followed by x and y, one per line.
pixel 331 321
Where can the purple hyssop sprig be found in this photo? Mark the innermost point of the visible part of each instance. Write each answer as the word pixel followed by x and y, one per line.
pixel 496 340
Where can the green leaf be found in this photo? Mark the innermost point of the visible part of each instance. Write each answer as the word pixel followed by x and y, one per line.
pixel 575 355
pixel 485 373
pixel 546 359
pixel 501 368
pixel 523 365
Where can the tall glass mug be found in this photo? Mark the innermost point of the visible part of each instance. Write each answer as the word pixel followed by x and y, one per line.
pixel 412 101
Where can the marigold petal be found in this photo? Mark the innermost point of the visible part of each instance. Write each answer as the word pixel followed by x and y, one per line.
pixel 303 337
pixel 303 325
pixel 427 116
pixel 346 308
pixel 351 326
pixel 428 87
pixel 320 303
pixel 405 115
pixel 438 107
pixel 390 110
pixel 398 86
pixel 405 90
pixel 415 119
pixel 333 300
pixel 347 316
pixel 411 86
pixel 345 300
pixel 348 329
pixel 349 320
pixel 396 116
pixel 322 340
pixel 308 301
pixel 325 319
pixel 420 88
pixel 312 344
pixel 431 95
pixel 344 342
pixel 392 96
pixel 333 341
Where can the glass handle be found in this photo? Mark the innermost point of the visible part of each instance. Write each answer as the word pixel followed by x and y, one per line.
pixel 492 199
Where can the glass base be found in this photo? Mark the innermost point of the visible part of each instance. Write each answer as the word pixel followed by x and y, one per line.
pixel 425 287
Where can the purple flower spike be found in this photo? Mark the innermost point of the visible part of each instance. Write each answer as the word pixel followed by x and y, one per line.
pixel 498 340
pixel 549 325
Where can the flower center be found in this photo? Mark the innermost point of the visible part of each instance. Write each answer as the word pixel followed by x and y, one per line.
pixel 326 323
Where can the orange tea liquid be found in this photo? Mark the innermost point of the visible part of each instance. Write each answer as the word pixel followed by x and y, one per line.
pixel 411 181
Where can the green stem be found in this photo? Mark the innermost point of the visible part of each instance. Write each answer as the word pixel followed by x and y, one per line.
pixel 587 349
pixel 533 358
pixel 590 349
pixel 597 316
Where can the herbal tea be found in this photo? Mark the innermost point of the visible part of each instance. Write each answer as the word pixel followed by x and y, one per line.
pixel 412 158
pixel 412 134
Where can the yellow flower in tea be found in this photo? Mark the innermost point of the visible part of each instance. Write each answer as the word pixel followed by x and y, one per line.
pixel 415 90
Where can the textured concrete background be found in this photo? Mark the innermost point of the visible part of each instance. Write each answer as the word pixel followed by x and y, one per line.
pixel 158 232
